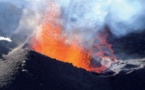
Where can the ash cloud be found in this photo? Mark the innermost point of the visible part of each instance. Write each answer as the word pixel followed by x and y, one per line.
pixel 84 19
pixel 19 20
pixel 81 20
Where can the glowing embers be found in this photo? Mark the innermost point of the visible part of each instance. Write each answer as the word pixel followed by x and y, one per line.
pixel 50 42
pixel 102 54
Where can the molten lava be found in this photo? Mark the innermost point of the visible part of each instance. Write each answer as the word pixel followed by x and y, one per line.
pixel 50 42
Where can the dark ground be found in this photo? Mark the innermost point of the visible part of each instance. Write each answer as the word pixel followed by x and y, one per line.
pixel 131 46
pixel 24 69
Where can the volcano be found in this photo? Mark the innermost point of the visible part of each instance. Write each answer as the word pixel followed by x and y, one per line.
pixel 25 69
pixel 72 45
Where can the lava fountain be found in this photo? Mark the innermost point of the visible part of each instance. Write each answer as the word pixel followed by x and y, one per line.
pixel 50 41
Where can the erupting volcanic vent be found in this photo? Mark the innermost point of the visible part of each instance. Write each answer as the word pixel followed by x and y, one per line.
pixel 51 42
pixel 75 32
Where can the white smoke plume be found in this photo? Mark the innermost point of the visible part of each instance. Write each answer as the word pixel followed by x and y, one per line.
pixel 86 18
pixel 5 39
pixel 83 19
pixel 19 19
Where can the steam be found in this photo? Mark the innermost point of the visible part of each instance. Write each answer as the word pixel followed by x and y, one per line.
pixel 5 39
pixel 19 20
pixel 85 18
pixel 81 20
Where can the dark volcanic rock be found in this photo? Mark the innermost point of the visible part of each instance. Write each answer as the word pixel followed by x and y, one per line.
pixel 131 46
pixel 24 69
pixel 6 47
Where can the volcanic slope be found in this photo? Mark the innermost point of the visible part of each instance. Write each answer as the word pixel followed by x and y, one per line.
pixel 24 69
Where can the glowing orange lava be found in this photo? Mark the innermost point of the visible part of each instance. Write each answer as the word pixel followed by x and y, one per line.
pixel 49 41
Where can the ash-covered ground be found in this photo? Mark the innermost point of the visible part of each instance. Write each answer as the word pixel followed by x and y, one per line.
pixel 25 69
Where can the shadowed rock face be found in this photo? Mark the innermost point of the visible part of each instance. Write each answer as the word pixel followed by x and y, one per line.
pixel 24 69
pixel 6 47
pixel 131 46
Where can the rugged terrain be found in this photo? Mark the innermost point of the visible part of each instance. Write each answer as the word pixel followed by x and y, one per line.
pixel 24 69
